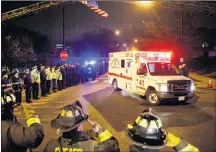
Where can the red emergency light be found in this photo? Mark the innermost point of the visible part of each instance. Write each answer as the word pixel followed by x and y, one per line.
pixel 156 56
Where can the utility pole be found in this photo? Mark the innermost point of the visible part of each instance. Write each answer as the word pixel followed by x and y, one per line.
pixel 63 28
pixel 182 28
pixel 63 62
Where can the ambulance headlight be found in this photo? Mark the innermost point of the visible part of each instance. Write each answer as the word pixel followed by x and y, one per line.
pixel 163 87
pixel 192 86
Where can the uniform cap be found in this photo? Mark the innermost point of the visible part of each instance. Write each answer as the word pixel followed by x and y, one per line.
pixel 34 67
pixel 15 71
pixel 26 71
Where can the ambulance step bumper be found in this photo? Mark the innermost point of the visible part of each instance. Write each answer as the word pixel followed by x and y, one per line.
pixel 175 95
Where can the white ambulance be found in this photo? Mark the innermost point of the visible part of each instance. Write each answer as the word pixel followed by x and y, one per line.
pixel 149 74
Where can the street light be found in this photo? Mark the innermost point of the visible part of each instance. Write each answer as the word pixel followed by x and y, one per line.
pixel 146 3
pixel 135 40
pixel 124 45
pixel 117 32
pixel 117 44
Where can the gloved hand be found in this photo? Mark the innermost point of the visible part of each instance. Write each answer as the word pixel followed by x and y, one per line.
pixel 172 140
pixel 28 111
pixel 95 126
pixel 102 134
pixel 30 115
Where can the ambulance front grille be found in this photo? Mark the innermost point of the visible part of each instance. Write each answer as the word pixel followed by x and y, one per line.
pixel 179 85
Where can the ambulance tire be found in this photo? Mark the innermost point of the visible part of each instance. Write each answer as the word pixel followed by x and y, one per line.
pixel 153 98
pixel 115 85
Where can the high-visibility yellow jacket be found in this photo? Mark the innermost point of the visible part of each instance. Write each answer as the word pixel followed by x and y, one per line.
pixel 58 75
pixel 48 74
pixel 35 76
pixel 54 76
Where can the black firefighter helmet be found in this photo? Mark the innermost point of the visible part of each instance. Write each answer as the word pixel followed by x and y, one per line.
pixel 70 117
pixel 146 131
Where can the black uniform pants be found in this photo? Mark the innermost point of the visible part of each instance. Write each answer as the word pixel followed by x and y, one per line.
pixel 63 83
pixel 68 81
pixel 54 84
pixel 48 86
pixel 18 95
pixel 59 84
pixel 28 93
pixel 35 90
pixel 43 88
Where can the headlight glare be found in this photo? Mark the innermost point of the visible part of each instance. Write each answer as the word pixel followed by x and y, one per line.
pixel 163 87
pixel 192 86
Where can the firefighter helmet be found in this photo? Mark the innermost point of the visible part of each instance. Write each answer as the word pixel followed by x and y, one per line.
pixel 69 118
pixel 147 131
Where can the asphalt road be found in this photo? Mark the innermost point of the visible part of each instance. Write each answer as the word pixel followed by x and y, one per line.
pixel 194 121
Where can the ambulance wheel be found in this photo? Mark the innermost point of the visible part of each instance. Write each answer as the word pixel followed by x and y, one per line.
pixel 153 98
pixel 115 85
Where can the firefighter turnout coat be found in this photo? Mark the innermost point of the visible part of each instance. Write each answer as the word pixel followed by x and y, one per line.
pixel 82 143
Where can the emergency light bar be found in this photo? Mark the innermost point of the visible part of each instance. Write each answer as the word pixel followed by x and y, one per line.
pixel 155 56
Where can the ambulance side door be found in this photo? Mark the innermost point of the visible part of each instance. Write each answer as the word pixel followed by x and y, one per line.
pixel 141 79
pixel 128 74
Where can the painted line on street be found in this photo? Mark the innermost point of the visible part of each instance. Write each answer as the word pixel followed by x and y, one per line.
pixel 94 81
pixel 105 81
pixel 95 114
pixel 38 103
pixel 102 78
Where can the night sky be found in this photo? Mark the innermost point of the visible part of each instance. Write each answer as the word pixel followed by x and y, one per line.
pixel 79 18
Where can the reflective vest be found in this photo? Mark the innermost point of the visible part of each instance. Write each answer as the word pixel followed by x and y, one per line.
pixel 48 74
pixel 54 74
pixel 35 76
pixel 59 75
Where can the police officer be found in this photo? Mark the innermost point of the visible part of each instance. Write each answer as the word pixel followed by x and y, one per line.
pixel 73 75
pixel 27 85
pixel 59 78
pixel 43 81
pixel 14 136
pixel 54 79
pixel 77 73
pixel 147 135
pixel 17 86
pixel 48 79
pixel 66 75
pixel 73 138
pixel 63 77
pixel 35 76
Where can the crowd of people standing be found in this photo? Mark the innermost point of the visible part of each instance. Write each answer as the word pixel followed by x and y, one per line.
pixel 47 79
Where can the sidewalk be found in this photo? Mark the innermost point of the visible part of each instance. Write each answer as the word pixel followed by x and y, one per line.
pixel 202 81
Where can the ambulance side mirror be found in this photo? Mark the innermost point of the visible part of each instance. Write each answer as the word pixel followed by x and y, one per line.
pixel 139 72
pixel 145 72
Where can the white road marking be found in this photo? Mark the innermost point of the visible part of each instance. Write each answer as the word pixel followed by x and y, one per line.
pixel 105 81
pixel 94 81
pixel 102 78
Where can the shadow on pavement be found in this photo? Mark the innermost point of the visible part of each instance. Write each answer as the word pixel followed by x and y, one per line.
pixel 119 110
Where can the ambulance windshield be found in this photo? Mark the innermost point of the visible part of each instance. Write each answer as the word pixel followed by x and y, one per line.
pixel 162 69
